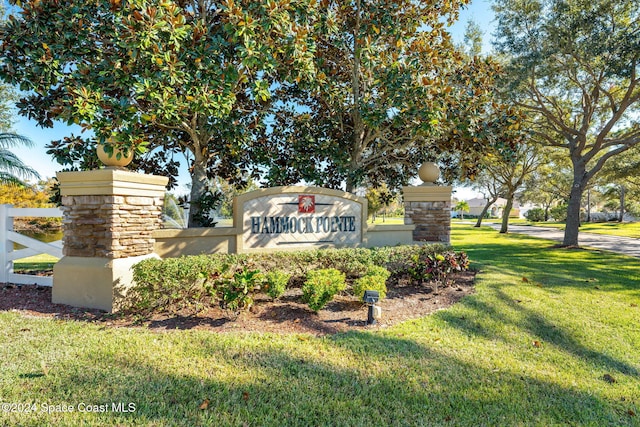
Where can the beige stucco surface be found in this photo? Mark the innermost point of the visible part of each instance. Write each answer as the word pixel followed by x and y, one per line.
pixel 93 282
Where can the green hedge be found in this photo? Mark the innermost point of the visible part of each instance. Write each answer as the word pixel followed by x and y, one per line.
pixel 191 283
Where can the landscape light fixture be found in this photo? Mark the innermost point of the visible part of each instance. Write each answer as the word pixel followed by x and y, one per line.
pixel 371 298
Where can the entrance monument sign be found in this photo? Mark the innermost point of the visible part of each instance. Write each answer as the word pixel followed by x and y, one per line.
pixel 299 217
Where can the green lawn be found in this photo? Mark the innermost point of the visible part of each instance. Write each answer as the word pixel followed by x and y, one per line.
pixel 551 338
pixel 35 263
pixel 390 220
pixel 625 229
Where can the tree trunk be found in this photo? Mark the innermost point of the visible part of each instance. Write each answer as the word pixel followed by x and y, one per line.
pixel 505 213
pixel 198 189
pixel 622 201
pixel 572 227
pixel 484 211
pixel 547 206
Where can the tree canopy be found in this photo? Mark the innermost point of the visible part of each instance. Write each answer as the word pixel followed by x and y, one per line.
pixel 392 92
pixel 164 73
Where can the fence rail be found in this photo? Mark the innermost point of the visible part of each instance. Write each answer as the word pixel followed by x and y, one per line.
pixel 32 246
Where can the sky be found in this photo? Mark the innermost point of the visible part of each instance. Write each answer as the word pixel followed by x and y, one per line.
pixel 36 157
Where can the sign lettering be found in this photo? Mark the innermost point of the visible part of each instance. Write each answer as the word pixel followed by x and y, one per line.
pixel 302 220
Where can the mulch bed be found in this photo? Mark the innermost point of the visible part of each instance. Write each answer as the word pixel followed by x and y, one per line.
pixel 405 301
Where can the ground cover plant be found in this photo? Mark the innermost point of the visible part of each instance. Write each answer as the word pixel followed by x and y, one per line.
pixel 550 338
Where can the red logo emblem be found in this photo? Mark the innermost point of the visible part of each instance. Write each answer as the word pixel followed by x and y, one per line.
pixel 306 203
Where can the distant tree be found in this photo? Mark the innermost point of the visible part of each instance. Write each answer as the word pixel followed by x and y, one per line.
pixel 490 189
pixel 511 173
pixel 621 180
pixel 575 64
pixel 29 196
pixel 229 192
pixel 550 183
pixel 378 198
pixel 473 38
pixel 22 196
pixel 462 206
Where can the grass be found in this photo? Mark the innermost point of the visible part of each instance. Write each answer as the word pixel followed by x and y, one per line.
pixel 35 263
pixel 623 229
pixel 390 220
pixel 550 338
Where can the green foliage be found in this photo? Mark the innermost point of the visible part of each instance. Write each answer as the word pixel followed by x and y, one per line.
pixel 375 279
pixel 207 203
pixel 321 286
pixel 12 169
pixel 427 265
pixel 535 215
pixel 389 84
pixel 559 213
pixel 191 283
pixel 165 73
pixel 276 282
pixel 236 292
pixel 174 284
pixel 461 207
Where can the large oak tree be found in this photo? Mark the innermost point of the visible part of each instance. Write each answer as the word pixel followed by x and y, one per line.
pixel 169 73
pixel 392 91
pixel 575 64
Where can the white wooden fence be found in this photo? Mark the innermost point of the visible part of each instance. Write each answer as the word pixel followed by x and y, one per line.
pixel 32 246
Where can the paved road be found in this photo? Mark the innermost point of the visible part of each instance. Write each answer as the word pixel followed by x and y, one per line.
pixel 621 245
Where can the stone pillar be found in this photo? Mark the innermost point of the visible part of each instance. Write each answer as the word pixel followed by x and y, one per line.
pixel 109 216
pixel 428 207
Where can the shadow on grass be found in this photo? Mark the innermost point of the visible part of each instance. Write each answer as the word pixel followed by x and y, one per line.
pixel 529 322
pixel 398 382
pixel 540 261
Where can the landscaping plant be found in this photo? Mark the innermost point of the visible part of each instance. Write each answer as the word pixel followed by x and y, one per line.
pixel 375 279
pixel 192 283
pixel 438 266
pixel 321 286
pixel 276 282
pixel 236 293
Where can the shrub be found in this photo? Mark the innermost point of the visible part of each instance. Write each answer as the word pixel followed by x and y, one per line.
pixel 321 286
pixel 172 284
pixel 236 292
pixel 438 266
pixel 375 280
pixel 191 283
pixel 535 215
pixel 276 282
pixel 559 213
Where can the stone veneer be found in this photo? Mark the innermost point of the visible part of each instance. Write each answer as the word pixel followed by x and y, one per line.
pixel 109 216
pixel 428 208
pixel 110 226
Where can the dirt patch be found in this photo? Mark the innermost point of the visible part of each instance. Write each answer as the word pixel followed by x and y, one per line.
pixel 405 301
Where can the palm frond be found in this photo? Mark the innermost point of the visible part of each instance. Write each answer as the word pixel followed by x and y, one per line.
pixel 6 178
pixel 14 168
pixel 10 140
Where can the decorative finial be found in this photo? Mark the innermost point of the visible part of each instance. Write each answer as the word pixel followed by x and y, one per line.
pixel 429 173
